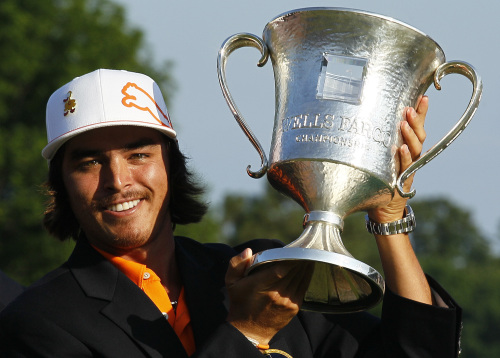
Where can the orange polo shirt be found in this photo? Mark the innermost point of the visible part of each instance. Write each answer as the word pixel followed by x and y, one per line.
pixel 150 283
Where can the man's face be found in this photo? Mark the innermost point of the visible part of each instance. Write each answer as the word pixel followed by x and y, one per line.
pixel 117 183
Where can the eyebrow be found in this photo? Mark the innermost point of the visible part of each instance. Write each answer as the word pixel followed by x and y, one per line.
pixel 80 153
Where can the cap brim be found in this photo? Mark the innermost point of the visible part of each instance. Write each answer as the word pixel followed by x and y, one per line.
pixel 50 150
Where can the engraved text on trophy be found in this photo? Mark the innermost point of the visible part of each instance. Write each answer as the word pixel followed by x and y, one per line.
pixel 333 127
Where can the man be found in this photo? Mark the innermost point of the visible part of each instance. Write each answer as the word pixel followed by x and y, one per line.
pixel 119 186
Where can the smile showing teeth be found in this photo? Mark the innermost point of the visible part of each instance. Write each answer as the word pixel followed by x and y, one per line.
pixel 123 206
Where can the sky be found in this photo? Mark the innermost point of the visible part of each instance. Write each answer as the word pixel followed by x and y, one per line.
pixel 190 34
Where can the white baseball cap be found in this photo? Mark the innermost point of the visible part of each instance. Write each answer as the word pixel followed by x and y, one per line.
pixel 104 98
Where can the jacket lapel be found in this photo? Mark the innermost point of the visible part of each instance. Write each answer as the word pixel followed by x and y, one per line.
pixel 129 308
pixel 202 271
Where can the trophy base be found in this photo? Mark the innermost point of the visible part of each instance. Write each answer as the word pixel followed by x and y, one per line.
pixel 339 283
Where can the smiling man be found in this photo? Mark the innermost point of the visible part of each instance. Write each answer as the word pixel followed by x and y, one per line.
pixel 117 178
pixel 118 186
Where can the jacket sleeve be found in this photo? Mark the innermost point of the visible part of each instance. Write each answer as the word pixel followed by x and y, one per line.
pixel 406 329
pixel 227 341
pixel 412 329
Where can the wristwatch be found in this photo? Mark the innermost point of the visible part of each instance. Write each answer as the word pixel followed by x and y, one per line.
pixel 404 225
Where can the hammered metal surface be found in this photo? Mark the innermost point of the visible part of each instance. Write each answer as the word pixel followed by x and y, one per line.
pixel 343 78
pixel 400 63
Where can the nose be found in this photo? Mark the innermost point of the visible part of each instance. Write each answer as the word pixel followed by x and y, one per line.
pixel 116 176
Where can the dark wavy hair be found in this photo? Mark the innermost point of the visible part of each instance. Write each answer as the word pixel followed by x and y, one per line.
pixel 185 204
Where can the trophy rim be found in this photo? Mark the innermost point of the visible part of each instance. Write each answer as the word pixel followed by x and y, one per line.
pixel 370 275
pixel 357 11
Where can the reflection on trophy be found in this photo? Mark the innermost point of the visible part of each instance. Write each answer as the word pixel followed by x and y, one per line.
pixel 342 81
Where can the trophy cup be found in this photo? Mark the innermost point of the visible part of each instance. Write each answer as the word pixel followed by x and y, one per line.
pixel 342 80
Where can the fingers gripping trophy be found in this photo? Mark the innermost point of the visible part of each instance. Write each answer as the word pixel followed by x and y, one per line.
pixel 342 80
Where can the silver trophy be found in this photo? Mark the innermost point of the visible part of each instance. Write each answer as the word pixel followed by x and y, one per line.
pixel 342 80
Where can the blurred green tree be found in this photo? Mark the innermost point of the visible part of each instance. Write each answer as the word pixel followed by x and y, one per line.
pixel 208 230
pixel 44 45
pixel 447 231
pixel 271 215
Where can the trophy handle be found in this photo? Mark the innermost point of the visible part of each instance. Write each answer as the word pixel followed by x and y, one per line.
pixel 232 43
pixel 468 71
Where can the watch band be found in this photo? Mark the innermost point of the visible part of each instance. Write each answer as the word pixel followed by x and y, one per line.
pixel 404 225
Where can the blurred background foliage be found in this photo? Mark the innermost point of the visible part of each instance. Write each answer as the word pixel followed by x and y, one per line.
pixel 44 44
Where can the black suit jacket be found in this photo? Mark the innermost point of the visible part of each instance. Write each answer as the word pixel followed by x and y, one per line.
pixel 88 308
pixel 9 289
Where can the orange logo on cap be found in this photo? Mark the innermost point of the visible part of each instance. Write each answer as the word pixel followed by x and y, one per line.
pixel 136 97
pixel 69 104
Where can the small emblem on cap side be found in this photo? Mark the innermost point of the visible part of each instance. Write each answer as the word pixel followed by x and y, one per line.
pixel 69 104
pixel 135 96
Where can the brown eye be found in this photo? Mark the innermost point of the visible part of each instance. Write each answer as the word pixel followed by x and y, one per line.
pixel 88 164
pixel 138 156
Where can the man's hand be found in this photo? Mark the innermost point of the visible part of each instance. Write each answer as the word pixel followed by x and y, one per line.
pixel 265 301
pixel 413 132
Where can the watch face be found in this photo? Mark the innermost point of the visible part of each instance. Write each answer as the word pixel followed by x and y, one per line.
pixel 276 353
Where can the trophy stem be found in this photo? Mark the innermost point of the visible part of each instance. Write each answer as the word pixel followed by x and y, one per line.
pixel 339 283
pixel 322 232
